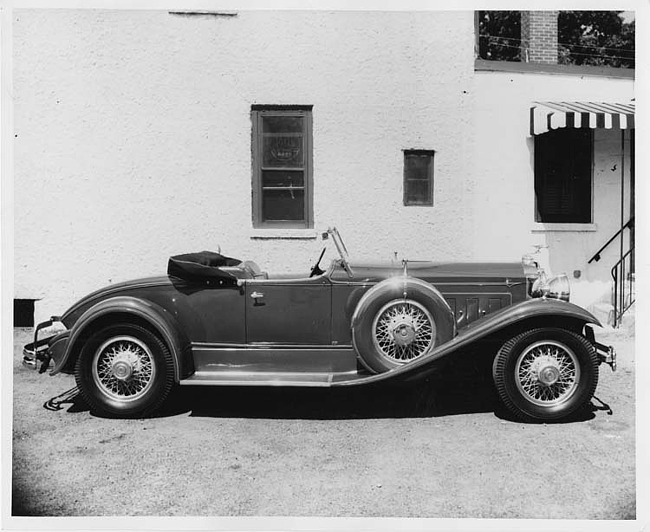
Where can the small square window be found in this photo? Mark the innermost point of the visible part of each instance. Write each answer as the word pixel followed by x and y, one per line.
pixel 418 177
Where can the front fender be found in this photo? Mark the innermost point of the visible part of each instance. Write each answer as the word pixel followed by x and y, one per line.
pixel 535 311
pixel 532 308
pixel 160 319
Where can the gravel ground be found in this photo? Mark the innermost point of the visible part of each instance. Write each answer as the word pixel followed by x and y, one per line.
pixel 307 452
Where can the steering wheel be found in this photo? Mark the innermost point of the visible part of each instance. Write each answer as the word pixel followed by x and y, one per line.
pixel 315 269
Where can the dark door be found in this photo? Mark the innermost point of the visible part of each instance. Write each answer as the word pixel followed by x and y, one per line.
pixel 289 311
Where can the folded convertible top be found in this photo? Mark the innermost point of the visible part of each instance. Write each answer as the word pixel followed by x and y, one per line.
pixel 203 266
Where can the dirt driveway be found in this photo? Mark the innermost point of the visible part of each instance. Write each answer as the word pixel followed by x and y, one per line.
pixel 364 452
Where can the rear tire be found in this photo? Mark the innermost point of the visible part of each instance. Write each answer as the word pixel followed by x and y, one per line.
pixel 546 374
pixel 124 370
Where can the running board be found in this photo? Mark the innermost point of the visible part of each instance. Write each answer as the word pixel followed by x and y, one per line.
pixel 237 378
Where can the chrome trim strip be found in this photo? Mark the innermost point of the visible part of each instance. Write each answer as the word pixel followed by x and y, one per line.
pixel 257 346
pixel 477 295
pixel 432 283
pixel 244 382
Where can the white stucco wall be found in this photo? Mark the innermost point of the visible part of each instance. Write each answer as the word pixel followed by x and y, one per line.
pixel 503 195
pixel 133 142
pixel 133 137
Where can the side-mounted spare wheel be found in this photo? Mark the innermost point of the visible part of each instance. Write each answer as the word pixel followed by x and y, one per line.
pixel 546 374
pixel 124 370
pixel 399 320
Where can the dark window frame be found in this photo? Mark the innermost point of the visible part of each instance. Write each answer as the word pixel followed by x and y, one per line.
pixel 583 216
pixel 258 112
pixel 428 201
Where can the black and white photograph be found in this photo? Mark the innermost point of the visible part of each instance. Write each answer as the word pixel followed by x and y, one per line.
pixel 344 266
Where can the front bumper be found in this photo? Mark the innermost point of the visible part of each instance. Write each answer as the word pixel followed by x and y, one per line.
pixel 45 349
pixel 606 354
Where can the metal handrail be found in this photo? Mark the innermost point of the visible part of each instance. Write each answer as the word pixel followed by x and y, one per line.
pixel 623 299
pixel 596 257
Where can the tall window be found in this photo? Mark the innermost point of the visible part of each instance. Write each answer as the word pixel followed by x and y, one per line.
pixel 563 162
pixel 282 166
pixel 418 177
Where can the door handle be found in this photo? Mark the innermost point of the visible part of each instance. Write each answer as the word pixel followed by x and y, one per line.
pixel 257 295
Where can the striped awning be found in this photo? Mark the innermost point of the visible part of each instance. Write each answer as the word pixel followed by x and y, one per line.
pixel 545 116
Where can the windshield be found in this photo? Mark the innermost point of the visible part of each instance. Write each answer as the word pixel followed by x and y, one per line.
pixel 340 247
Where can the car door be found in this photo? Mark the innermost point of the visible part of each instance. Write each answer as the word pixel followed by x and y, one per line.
pixel 289 311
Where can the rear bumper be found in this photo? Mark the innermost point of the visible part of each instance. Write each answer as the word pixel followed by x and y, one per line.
pixel 45 349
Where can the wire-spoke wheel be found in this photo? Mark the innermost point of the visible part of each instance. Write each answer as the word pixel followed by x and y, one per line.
pixel 546 374
pixel 399 320
pixel 124 370
pixel 403 330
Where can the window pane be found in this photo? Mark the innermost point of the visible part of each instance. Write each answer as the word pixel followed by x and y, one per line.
pixel 280 205
pixel 280 178
pixel 282 124
pixel 418 178
pixel 417 192
pixel 283 152
pixel 417 166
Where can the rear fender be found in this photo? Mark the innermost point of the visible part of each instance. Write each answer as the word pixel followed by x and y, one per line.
pixel 532 313
pixel 158 318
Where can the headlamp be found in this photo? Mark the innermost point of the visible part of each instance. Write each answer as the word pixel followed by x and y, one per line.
pixel 557 287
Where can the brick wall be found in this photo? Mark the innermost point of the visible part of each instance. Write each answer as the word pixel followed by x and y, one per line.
pixel 539 36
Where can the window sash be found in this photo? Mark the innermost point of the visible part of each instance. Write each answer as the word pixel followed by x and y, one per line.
pixel 423 181
pixel 299 186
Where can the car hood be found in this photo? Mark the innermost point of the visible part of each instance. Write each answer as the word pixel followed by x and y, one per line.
pixel 473 272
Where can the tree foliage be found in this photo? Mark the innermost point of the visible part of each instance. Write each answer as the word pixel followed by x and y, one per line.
pixel 499 35
pixel 599 38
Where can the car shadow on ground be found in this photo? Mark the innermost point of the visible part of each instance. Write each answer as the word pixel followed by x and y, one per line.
pixel 429 398
pixel 462 385
pixel 448 395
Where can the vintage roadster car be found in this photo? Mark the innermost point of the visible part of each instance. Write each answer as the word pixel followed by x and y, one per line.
pixel 214 320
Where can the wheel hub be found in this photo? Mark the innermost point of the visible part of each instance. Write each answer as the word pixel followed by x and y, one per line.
pixel 122 370
pixel 546 370
pixel 403 332
pixel 548 375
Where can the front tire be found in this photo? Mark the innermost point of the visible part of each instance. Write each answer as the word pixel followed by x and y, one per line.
pixel 124 370
pixel 546 374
